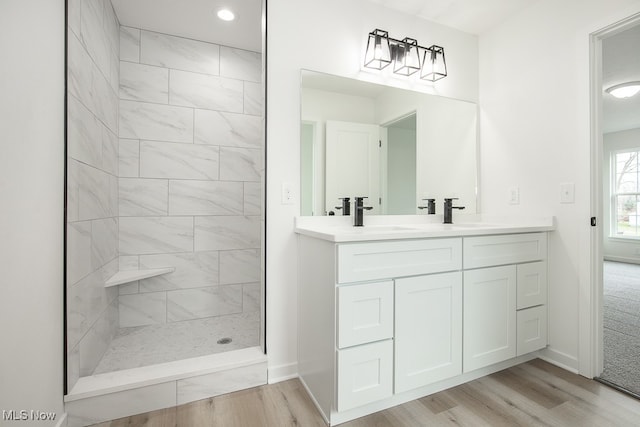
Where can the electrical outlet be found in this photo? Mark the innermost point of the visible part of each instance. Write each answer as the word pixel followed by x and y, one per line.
pixel 514 196
pixel 287 193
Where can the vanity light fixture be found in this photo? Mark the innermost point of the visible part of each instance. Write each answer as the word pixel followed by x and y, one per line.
pixel 624 90
pixel 406 55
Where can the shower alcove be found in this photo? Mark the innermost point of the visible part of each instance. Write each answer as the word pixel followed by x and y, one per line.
pixel 164 213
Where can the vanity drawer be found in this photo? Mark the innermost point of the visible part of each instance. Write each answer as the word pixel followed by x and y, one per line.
pixel 365 313
pixel 385 260
pixel 531 330
pixel 365 374
pixel 487 251
pixel 532 284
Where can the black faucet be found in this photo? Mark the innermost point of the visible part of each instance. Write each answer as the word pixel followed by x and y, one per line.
pixel 359 211
pixel 431 206
pixel 448 209
pixel 346 206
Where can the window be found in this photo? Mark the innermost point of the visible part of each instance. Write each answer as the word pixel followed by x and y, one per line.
pixel 625 194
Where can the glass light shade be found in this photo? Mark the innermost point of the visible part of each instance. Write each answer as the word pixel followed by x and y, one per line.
pixel 624 90
pixel 407 57
pixel 378 54
pixel 434 66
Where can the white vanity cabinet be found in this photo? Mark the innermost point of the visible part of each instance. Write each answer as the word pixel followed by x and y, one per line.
pixel 505 293
pixel 382 322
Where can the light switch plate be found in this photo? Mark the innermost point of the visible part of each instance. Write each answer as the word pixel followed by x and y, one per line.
pixel 567 192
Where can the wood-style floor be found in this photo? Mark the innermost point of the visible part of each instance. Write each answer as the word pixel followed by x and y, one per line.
pixel 535 393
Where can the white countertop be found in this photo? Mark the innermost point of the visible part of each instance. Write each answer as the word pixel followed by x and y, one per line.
pixel 394 227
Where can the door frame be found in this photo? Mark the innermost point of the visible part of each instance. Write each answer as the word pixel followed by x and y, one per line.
pixel 591 358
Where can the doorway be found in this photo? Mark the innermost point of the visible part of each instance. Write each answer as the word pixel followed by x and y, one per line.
pixel 616 195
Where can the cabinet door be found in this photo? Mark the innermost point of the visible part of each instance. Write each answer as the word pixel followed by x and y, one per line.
pixel 428 336
pixel 365 374
pixel 489 316
pixel 365 313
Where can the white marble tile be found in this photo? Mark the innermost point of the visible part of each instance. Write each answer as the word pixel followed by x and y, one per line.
pixel 251 297
pixel 93 34
pixel 253 198
pixel 239 266
pixel 73 15
pixel 139 82
pixel 86 300
pixel 113 195
pixel 194 197
pixel 105 100
pixel 121 404
pixel 179 53
pixel 142 309
pixel 112 28
pixel 228 129
pixel 84 134
pixel 109 151
pixel 114 78
pixel 240 164
pixel 177 341
pixel 253 99
pixel 152 235
pixel 178 161
pixel 140 120
pixel 128 262
pixel 97 339
pixel 192 270
pixel 226 232
pixel 104 241
pixel 128 157
pixel 73 185
pixel 129 44
pixel 142 197
pixel 73 367
pixel 240 64
pixel 80 71
pixel 203 302
pixel 204 91
pixel 78 251
pixel 129 288
pixel 204 386
pixel 94 193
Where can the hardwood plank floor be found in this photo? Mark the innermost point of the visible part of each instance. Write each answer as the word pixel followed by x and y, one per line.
pixel 535 393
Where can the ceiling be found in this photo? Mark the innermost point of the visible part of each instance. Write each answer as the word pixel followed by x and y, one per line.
pixel 621 63
pixel 471 16
pixel 197 20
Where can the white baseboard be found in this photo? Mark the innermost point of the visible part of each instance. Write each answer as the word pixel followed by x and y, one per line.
pixel 622 259
pixel 560 359
pixel 276 374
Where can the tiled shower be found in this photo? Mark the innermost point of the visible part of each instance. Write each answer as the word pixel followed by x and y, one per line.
pixel 164 169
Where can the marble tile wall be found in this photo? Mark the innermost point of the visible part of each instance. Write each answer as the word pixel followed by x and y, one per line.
pixel 190 170
pixel 92 179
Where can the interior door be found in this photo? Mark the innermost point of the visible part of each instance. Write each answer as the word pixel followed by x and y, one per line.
pixel 352 163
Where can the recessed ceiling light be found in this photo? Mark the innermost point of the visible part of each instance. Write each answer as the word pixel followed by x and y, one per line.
pixel 624 90
pixel 226 15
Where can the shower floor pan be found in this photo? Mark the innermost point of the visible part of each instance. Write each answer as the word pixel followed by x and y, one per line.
pixel 144 377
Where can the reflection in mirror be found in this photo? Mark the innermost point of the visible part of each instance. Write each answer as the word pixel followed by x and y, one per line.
pixel 396 147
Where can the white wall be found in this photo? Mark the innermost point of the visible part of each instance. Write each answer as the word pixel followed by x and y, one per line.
pixel 31 217
pixel 616 249
pixel 327 36
pixel 534 98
